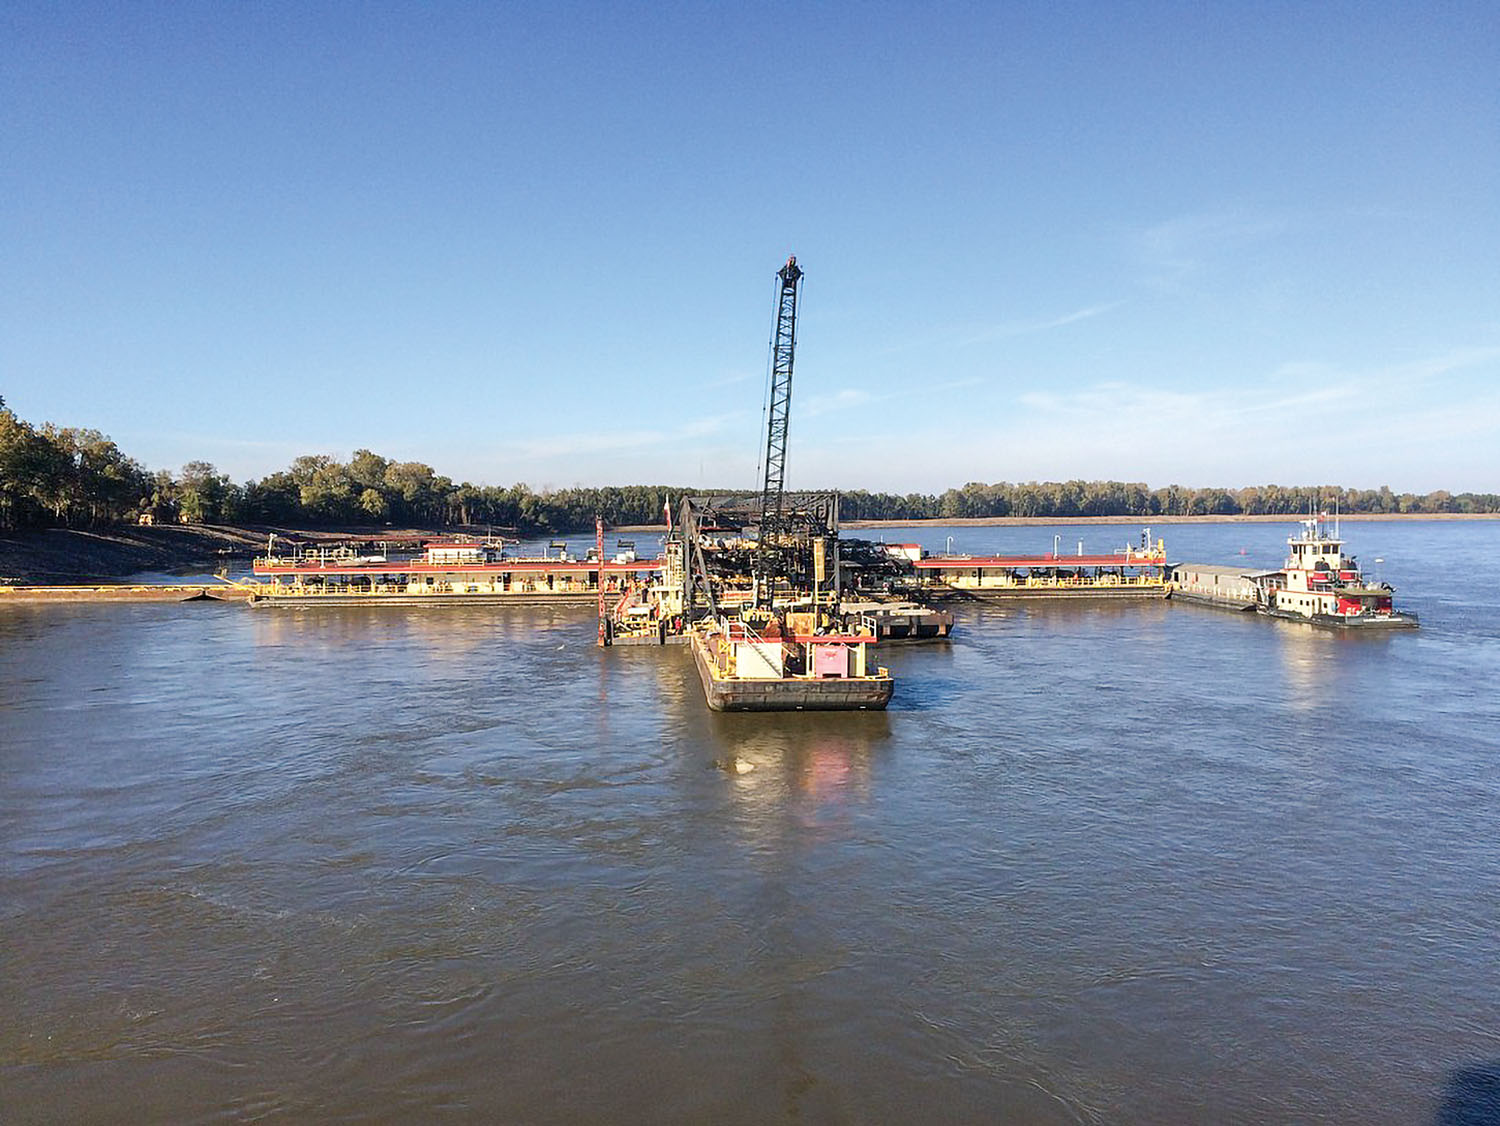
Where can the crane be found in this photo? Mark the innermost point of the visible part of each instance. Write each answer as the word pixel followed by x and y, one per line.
pixel 783 351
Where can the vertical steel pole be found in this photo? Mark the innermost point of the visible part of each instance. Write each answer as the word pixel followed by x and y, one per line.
pixel 599 559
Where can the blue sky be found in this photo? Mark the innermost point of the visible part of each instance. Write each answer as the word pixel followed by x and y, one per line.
pixel 1208 244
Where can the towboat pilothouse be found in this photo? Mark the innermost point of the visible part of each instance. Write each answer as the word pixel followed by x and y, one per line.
pixel 1322 585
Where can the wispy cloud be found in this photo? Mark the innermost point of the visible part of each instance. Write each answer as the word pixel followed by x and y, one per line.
pixel 1237 411
pixel 929 389
pixel 1026 328
pixel 1434 367
pixel 852 398
pixel 841 400
pixel 621 441
pixel 1176 249
pixel 1393 378
pixel 728 380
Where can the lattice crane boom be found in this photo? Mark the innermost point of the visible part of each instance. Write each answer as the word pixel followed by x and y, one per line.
pixel 783 351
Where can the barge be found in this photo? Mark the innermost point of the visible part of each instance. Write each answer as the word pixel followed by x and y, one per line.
pixel 1208 584
pixel 745 671
pixel 120 592
pixel 898 621
pixel 442 571
pixel 1131 572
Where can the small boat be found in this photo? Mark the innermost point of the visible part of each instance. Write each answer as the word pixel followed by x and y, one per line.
pixel 768 670
pixel 1321 585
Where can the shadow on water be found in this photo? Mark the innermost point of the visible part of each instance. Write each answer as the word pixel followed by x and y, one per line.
pixel 1472 1097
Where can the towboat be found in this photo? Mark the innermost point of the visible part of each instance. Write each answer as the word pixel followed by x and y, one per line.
pixel 1321 585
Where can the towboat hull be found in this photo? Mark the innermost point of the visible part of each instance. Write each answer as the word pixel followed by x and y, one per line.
pixel 1361 623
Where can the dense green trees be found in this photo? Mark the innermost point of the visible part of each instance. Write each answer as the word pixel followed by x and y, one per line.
pixel 64 475
pixel 79 478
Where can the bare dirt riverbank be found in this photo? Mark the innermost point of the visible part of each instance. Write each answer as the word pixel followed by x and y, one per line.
pixel 68 556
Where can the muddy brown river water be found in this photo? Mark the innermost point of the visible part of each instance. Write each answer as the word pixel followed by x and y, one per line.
pixel 1098 864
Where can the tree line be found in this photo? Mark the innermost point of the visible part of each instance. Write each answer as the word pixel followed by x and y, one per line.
pixel 69 477
pixel 1119 498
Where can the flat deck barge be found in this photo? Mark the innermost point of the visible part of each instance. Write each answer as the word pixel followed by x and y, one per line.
pixel 120 592
pixel 1128 573
pixel 470 572
pixel 898 621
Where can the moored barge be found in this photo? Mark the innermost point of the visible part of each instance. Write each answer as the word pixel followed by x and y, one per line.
pixel 120 592
pixel 745 671
pixel 897 621
pixel 1131 572
pixel 443 571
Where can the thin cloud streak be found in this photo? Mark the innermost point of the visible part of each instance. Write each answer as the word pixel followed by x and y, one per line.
pixel 586 443
pixel 852 398
pixel 727 381
pixel 1026 328
pixel 831 402
pixel 1173 250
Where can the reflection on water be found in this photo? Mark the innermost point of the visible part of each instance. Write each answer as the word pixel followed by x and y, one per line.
pixel 1098 863
pixel 803 765
pixel 1319 664
pixel 445 632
